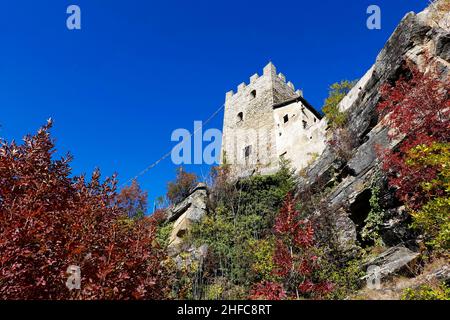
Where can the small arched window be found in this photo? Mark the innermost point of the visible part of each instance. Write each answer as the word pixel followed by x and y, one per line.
pixel 253 94
pixel 240 117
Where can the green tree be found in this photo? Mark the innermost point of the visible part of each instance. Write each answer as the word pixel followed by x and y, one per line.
pixel 337 92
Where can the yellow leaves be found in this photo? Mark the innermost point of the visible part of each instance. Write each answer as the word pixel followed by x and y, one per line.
pixel 434 219
pixel 427 292
pixel 434 155
pixel 214 291
pixel 263 251
pixel 434 216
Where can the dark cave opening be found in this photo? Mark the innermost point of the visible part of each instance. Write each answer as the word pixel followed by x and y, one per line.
pixel 359 210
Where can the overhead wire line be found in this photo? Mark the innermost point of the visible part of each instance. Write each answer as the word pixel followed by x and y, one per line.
pixel 166 155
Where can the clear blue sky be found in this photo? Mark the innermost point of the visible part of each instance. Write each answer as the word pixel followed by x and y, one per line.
pixel 140 69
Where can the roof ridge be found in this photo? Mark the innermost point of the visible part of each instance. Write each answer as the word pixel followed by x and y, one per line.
pixel 296 99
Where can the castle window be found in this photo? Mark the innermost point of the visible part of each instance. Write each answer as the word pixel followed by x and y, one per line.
pixel 253 94
pixel 240 117
pixel 305 124
pixel 286 118
pixel 247 151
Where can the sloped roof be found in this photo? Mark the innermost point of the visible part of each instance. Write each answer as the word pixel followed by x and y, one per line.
pixel 303 101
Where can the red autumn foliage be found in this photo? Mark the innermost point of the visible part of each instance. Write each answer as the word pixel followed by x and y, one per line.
pixel 291 228
pixel 306 287
pixel 133 200
pixel 158 217
pixel 181 187
pixel 295 259
pixel 417 111
pixel 283 259
pixel 268 291
pixel 50 221
pixel 321 289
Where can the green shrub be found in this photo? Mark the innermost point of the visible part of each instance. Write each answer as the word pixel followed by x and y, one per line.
pixel 338 90
pixel 262 252
pixel 163 234
pixel 374 219
pixel 214 291
pixel 427 292
pixel 433 217
pixel 344 276
pixel 238 231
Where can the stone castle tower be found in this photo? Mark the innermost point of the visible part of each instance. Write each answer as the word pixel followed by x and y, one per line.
pixel 267 119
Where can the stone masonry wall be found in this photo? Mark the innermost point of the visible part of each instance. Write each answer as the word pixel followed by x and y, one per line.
pixel 301 139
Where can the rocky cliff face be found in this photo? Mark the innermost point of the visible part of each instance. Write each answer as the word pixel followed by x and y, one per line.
pixel 417 38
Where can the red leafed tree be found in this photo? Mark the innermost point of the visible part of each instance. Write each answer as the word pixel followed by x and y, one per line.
pixel 417 110
pixel 268 291
pixel 294 259
pixel 133 200
pixel 50 221
pixel 181 187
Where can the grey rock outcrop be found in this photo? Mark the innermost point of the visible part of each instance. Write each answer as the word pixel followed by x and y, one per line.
pixel 346 231
pixel 440 274
pixel 394 260
pixel 195 203
pixel 191 256
pixel 190 210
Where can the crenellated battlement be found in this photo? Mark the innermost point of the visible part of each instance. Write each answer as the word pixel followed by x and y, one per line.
pixel 269 73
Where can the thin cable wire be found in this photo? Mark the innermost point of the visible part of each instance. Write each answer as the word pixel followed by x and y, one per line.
pixel 165 156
